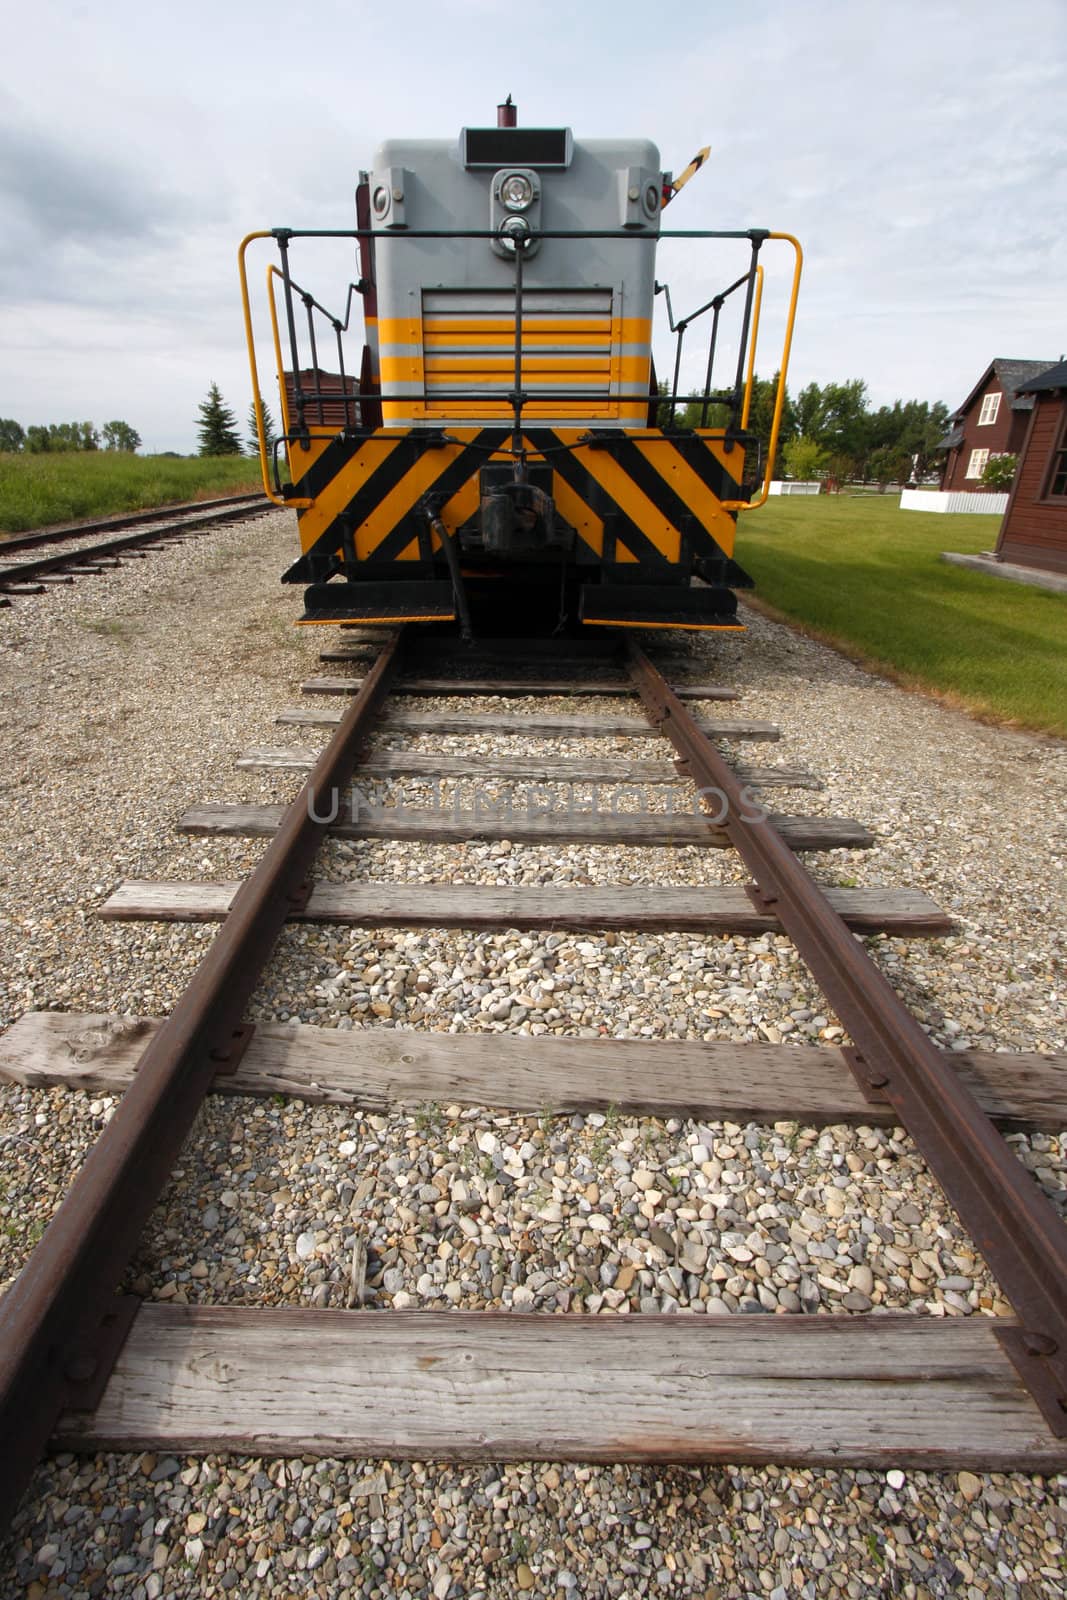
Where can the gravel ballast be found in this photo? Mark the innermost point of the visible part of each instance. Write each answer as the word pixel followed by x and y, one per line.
pixel 127 699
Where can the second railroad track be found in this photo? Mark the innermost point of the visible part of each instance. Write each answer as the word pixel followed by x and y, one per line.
pixel 86 549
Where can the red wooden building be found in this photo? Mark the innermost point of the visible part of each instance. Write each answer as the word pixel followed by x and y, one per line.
pixel 1034 530
pixel 992 421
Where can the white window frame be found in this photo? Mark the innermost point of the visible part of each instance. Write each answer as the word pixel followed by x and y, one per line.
pixel 990 409
pixel 977 464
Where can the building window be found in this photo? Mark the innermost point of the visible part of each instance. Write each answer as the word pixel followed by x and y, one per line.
pixel 976 465
pixel 1057 478
pixel 990 408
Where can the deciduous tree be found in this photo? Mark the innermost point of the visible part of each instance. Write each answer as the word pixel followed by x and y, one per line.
pixel 999 472
pixel 804 458
pixel 760 418
pixel 889 465
pixel 59 436
pixel 120 436
pixel 11 434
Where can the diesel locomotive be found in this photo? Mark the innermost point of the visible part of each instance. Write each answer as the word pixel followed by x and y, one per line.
pixel 503 448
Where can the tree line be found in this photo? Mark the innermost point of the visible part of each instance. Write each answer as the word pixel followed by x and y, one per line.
pixel 827 431
pixel 217 433
pixel 830 431
pixel 41 437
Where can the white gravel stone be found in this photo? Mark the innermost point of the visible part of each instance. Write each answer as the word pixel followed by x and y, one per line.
pixel 127 698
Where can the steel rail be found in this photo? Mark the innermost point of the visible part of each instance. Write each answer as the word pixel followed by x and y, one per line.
pixel 62 1323
pixel 1013 1224
pixel 128 519
pixel 81 555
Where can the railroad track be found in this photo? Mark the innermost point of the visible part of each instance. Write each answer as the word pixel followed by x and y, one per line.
pixel 83 1366
pixel 130 537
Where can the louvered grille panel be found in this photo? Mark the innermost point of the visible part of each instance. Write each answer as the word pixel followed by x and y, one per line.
pixel 469 342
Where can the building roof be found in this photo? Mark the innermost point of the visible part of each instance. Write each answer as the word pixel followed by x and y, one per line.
pixel 954 437
pixel 1052 378
pixel 1012 375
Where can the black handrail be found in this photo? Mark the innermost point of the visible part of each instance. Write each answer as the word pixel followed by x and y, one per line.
pixel 350 398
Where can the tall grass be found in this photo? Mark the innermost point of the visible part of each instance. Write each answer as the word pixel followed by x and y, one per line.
pixel 36 490
pixel 868 577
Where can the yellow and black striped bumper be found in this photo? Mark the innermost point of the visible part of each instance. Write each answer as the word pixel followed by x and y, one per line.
pixel 633 497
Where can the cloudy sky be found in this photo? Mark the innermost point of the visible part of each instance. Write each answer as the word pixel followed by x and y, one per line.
pixel 917 147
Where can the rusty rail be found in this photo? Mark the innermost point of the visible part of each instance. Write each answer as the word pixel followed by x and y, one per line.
pixel 62 1324
pixel 180 520
pixel 59 532
pixel 999 1203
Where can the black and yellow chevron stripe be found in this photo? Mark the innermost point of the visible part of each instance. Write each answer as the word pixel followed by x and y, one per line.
pixel 639 496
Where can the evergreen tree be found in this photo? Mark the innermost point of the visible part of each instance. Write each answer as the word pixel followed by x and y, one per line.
pixel 217 427
pixel 270 432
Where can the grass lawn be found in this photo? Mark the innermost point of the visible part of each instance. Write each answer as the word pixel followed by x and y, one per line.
pixel 36 490
pixel 866 576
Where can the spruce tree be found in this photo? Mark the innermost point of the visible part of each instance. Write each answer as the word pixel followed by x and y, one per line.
pixel 217 428
pixel 269 431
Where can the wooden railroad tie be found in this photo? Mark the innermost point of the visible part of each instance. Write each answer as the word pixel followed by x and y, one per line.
pixel 522 825
pixel 507 1386
pixel 726 908
pixel 572 771
pixel 542 726
pixel 383 1069
pixel 566 688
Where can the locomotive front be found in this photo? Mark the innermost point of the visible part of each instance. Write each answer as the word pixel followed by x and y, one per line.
pixel 500 455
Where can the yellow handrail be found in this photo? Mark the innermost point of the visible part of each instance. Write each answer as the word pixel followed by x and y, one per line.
pixel 283 387
pixel 246 306
pixel 750 374
pixel 779 398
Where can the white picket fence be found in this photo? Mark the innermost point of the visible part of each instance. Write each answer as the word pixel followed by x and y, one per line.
pixel 935 500
pixel 791 486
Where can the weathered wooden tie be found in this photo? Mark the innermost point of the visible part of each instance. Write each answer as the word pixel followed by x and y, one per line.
pixel 531 768
pixel 507 1386
pixel 567 688
pixel 543 726
pixel 728 908
pixel 380 1069
pixel 523 825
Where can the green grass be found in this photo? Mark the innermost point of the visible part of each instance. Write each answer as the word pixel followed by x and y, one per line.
pixel 866 577
pixel 36 490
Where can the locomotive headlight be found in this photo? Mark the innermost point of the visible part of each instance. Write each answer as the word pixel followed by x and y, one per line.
pixel 514 230
pixel 516 192
pixel 380 201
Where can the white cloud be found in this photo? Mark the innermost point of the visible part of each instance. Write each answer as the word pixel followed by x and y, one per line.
pixel 918 151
